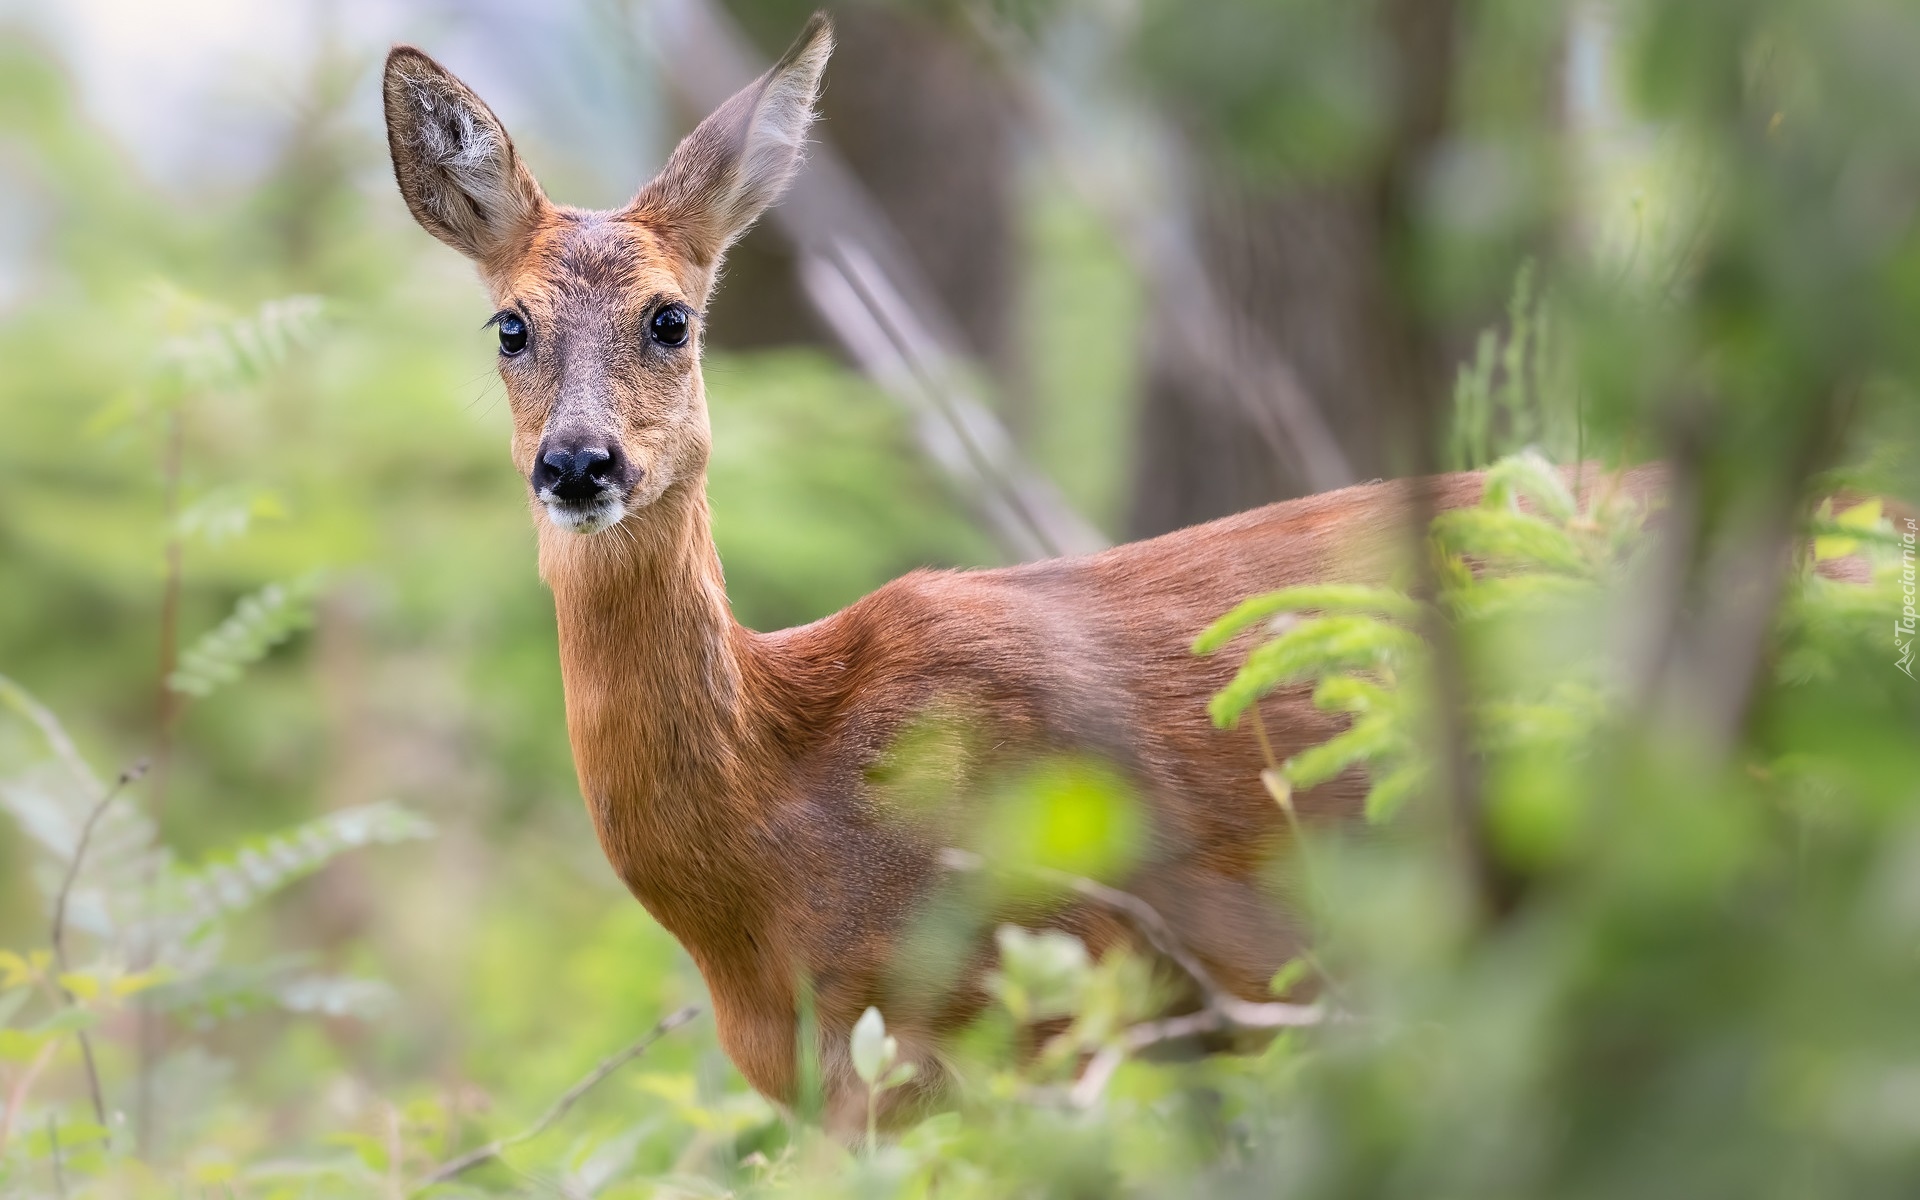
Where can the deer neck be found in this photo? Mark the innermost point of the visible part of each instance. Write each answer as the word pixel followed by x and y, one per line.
pixel 655 672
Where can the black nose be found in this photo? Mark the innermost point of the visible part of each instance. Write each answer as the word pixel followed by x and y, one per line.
pixel 576 472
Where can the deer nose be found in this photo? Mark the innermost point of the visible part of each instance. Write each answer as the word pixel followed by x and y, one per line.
pixel 576 473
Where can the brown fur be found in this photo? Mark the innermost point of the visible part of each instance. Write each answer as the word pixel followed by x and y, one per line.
pixel 729 773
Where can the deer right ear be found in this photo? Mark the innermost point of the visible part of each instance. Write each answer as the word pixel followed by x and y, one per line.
pixel 455 164
pixel 740 159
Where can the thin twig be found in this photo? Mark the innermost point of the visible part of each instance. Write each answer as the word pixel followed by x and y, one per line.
pixel 1151 925
pixel 1249 1017
pixel 107 798
pixel 60 924
pixel 1221 1011
pixel 492 1150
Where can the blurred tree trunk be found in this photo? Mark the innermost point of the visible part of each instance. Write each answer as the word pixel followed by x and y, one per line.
pixel 1305 269
pixel 1322 271
pixel 930 134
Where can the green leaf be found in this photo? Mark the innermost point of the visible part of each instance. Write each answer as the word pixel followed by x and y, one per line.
pixel 66 1020
pixel 20 1045
pixel 80 984
pixel 901 1074
pixel 1326 598
pixel 258 624
pixel 694 1187
pixel 1859 519
pixel 1041 974
pixel 39 1142
pixel 371 1150
pixel 1310 649
pixel 17 970
pixel 123 986
pixel 1290 973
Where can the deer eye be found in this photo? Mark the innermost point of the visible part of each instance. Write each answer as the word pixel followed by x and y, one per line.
pixel 513 335
pixel 670 325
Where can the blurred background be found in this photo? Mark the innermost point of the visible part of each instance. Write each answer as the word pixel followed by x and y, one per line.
pixel 1060 273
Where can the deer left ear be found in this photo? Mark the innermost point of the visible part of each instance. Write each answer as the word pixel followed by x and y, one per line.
pixel 456 166
pixel 740 159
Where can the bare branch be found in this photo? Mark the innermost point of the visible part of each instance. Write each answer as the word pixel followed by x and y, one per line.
pixel 492 1150
pixel 1099 1070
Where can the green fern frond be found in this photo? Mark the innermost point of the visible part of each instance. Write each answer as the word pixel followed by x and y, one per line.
pixel 1492 564
pixel 1522 408
pixel 1506 396
pixel 1473 405
pixel 1500 596
pixel 226 513
pixel 29 709
pixel 258 624
pixel 1326 598
pixel 1514 538
pixel 1312 648
pixel 1367 740
pixel 1505 725
pixel 226 990
pixel 216 351
pixel 1351 694
pixel 241 876
pixel 1531 475
pixel 335 995
pixel 1392 790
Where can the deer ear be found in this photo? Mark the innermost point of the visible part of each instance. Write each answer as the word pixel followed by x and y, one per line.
pixel 740 159
pixel 456 165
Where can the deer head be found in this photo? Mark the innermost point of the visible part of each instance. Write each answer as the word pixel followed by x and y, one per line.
pixel 599 314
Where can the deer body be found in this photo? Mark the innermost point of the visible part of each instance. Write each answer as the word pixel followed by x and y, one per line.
pixel 730 774
pixel 727 771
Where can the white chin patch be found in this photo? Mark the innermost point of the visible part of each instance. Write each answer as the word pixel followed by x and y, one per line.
pixel 590 517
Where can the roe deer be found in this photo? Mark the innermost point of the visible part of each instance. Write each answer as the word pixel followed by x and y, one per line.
pixel 729 773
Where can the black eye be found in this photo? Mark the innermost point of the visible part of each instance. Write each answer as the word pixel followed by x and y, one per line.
pixel 670 326
pixel 513 334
